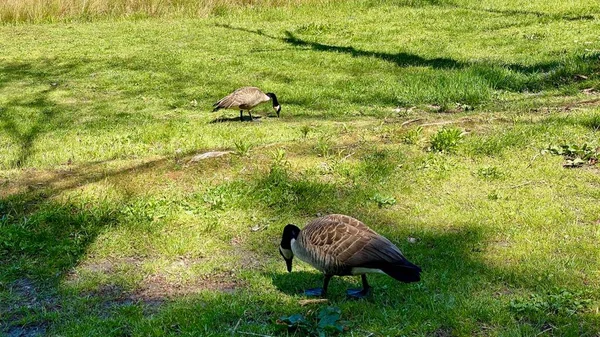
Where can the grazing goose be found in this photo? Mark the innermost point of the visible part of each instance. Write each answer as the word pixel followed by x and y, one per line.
pixel 341 245
pixel 247 98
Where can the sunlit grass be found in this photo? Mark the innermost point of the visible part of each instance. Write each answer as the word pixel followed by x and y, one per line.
pixel 108 228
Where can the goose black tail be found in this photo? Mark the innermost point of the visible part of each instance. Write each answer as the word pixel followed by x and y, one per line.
pixel 217 107
pixel 404 272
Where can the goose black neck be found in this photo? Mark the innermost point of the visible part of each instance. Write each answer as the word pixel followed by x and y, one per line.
pixel 289 232
pixel 274 98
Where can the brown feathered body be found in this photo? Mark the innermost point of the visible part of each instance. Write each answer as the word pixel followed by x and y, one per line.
pixel 341 245
pixel 244 98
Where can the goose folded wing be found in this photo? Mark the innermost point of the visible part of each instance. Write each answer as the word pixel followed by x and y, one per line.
pixel 376 252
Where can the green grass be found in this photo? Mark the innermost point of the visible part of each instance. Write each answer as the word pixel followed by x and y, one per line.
pixel 108 229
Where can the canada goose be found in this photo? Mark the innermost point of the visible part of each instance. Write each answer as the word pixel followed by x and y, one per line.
pixel 246 98
pixel 341 245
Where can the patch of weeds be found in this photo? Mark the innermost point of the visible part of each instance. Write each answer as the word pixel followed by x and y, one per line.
pixel 575 155
pixel 592 122
pixel 219 196
pixel 436 163
pixel 558 301
pixel 323 146
pixel 242 148
pixel 279 162
pixel 493 196
pixel 278 173
pixel 144 212
pixel 445 140
pixel 305 130
pixel 324 323
pixel 283 188
pixel 413 136
pixel 215 199
pixel 382 200
pixel 489 173
pixel 493 145
pixel 378 166
pixel 464 107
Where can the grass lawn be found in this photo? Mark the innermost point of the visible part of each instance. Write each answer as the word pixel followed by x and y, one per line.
pixel 437 123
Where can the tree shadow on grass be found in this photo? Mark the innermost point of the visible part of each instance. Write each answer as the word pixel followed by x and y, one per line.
pixel 538 14
pixel 42 238
pixel 47 114
pixel 26 139
pixel 47 103
pixel 224 119
pixel 506 76
pixel 297 281
pixel 48 238
pixel 452 256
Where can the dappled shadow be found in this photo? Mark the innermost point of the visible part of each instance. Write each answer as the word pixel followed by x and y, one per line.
pixel 44 238
pixel 47 114
pixel 42 98
pixel 296 282
pixel 26 139
pixel 400 59
pixel 537 77
pixel 539 14
pixel 246 118
pixel 451 256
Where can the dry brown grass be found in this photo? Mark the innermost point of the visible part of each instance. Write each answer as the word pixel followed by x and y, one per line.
pixel 14 11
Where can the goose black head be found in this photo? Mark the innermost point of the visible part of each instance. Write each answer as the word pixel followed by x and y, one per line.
pixel 276 105
pixel 290 233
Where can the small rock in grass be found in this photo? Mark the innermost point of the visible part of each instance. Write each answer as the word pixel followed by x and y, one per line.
pixel 206 155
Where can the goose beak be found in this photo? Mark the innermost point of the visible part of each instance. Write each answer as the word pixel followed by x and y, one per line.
pixel 277 109
pixel 288 261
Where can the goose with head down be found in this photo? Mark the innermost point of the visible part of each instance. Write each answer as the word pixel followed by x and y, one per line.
pixel 247 98
pixel 341 245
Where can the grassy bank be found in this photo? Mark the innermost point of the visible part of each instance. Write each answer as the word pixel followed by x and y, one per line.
pixel 37 11
pixel 427 120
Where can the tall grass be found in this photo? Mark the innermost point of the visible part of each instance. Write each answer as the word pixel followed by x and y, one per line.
pixel 14 11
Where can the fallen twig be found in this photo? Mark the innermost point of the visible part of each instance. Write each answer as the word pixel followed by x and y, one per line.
pixel 410 121
pixel 236 326
pixel 253 334
pixel 550 327
pixel 369 333
pixel 438 123
pixel 312 301
pixel 348 156
pixel 206 155
pixel 532 159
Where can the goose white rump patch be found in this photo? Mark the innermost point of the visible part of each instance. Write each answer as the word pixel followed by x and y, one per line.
pixel 360 271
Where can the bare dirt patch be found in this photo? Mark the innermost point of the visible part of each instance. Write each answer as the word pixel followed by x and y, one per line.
pixel 158 287
pixel 442 332
pixel 25 297
pixel 31 330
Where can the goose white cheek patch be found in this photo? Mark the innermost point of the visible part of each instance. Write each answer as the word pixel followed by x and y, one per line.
pixel 286 253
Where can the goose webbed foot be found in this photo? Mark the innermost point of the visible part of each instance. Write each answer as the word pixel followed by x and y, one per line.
pixel 314 292
pixel 358 293
pixel 319 292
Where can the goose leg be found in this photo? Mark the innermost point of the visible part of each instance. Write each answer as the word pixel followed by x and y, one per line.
pixel 249 113
pixel 360 293
pixel 241 115
pixel 319 291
